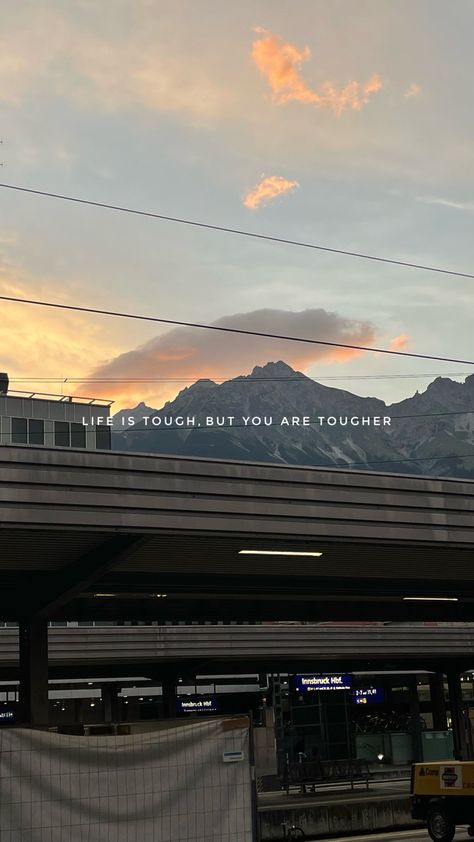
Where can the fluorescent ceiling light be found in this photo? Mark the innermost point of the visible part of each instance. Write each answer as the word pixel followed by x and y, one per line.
pixel 279 552
pixel 104 594
pixel 431 599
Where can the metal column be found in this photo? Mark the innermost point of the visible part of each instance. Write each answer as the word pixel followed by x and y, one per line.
pixel 415 724
pixel 170 698
pixel 110 702
pixel 438 702
pixel 458 718
pixel 275 683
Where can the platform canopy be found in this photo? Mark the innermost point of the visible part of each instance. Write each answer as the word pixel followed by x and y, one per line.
pixel 112 536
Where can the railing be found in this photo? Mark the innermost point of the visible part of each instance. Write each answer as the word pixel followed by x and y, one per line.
pixel 16 393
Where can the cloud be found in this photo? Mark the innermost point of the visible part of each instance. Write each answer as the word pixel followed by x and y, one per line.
pixel 446 203
pixel 267 189
pixel 413 91
pixel 280 63
pixel 399 342
pixel 39 342
pixel 45 50
pixel 183 355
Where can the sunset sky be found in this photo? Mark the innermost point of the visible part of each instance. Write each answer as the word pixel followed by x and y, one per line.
pixel 347 123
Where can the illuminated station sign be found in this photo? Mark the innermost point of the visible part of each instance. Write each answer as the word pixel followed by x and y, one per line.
pixel 198 705
pixel 312 683
pixel 369 696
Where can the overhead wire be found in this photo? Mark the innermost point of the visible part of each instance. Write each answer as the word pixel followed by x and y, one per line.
pixel 240 378
pixel 228 230
pixel 266 237
pixel 233 330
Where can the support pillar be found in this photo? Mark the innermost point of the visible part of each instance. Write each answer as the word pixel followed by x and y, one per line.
pixel 110 703
pixel 277 701
pixel 132 710
pixel 458 723
pixel 438 702
pixel 170 698
pixel 415 719
pixel 34 704
pixel 78 712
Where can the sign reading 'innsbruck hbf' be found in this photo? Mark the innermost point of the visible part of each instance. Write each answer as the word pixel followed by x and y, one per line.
pixel 308 683
pixel 195 705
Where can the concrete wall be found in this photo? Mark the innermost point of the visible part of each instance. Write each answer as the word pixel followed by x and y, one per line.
pixel 338 818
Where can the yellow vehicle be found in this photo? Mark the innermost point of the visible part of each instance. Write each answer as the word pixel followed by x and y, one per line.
pixel 442 795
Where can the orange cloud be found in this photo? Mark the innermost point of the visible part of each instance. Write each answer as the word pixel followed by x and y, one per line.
pixel 280 63
pixel 413 91
pixel 399 342
pixel 38 342
pixel 267 189
pixel 181 356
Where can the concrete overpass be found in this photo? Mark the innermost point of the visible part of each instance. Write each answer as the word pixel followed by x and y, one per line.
pixel 153 650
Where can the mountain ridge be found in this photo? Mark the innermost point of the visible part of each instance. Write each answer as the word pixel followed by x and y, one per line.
pixel 425 435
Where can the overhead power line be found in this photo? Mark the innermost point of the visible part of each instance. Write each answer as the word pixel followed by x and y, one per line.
pixel 240 232
pixel 241 378
pixel 241 331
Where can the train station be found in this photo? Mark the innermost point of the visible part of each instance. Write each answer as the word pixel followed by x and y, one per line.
pixel 334 608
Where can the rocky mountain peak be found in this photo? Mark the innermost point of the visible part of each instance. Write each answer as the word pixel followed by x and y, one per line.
pixel 278 369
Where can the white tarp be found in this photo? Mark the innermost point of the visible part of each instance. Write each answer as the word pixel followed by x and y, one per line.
pixel 162 786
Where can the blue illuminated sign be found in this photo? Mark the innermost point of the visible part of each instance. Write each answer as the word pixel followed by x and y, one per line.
pixel 7 716
pixel 185 704
pixel 369 696
pixel 308 683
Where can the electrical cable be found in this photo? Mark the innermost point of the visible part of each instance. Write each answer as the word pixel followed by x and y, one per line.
pixel 240 378
pixel 239 331
pixel 239 232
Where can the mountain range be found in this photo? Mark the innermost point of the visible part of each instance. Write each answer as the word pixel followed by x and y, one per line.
pixel 431 432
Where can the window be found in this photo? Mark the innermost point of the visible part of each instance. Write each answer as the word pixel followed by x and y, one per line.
pixel 102 438
pixel 27 431
pixel 19 431
pixel 78 435
pixel 62 436
pixel 35 431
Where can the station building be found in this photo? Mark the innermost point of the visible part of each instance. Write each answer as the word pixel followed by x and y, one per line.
pixel 48 420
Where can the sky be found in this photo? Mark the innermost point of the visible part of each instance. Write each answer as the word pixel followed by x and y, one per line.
pixel 346 123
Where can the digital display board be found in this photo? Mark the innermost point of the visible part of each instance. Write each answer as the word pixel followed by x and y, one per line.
pixel 317 682
pixel 369 696
pixel 7 716
pixel 205 704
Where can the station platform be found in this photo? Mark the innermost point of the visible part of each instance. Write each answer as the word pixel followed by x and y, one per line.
pixel 337 809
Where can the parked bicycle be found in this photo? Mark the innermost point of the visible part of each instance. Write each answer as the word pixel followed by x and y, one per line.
pixel 291 831
pixel 389 722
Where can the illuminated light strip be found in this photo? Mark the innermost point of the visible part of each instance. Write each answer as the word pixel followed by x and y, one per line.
pixel 279 552
pixel 431 598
